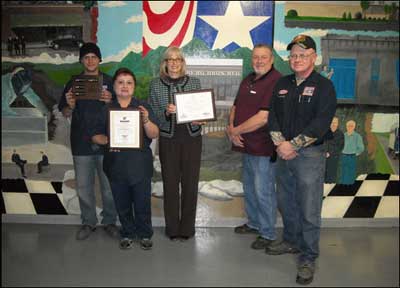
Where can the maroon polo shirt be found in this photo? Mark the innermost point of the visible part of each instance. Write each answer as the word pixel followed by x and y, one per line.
pixel 253 96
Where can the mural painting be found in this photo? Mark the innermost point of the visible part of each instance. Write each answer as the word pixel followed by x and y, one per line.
pixel 358 53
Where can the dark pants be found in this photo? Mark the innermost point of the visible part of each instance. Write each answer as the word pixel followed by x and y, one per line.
pixel 40 166
pixel 21 165
pixel 180 163
pixel 138 194
pixel 331 169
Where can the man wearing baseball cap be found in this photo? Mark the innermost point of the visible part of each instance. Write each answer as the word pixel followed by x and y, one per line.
pixel 302 107
pixel 88 157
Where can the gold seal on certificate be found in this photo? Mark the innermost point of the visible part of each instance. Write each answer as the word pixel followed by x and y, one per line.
pixel 87 87
pixel 125 129
pixel 198 105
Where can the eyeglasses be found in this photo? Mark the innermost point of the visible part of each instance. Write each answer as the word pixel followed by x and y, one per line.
pixel 299 56
pixel 173 60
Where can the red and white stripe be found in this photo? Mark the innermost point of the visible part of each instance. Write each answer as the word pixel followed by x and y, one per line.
pixel 167 23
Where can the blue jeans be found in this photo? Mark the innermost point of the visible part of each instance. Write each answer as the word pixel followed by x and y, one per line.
pixel 300 189
pixel 85 168
pixel 260 202
pixel 138 194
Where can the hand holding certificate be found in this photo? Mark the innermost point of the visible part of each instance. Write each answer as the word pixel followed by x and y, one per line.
pixel 125 129
pixel 195 106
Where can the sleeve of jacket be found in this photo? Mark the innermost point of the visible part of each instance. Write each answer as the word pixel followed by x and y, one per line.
pixel 63 100
pixel 154 100
pixel 273 122
pixel 98 125
pixel 359 145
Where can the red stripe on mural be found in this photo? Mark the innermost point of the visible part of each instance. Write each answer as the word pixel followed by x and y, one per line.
pixel 179 38
pixel 160 23
pixel 145 47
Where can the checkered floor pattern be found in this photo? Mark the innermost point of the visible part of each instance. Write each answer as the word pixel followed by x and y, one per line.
pixel 371 196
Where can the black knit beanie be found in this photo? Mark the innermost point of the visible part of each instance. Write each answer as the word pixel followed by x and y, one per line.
pixel 87 48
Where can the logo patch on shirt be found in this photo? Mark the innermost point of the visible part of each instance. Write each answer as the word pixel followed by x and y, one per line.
pixel 308 91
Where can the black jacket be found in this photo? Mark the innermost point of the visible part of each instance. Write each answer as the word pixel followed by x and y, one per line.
pixel 306 109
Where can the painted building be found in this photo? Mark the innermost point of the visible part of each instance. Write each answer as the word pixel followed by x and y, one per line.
pixel 366 69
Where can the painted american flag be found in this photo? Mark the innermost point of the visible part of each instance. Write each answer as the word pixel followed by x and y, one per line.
pixel 226 25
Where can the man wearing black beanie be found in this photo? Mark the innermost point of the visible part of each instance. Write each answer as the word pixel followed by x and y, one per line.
pixel 88 157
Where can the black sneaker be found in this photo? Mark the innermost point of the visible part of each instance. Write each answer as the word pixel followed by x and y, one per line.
pixel 305 273
pixel 245 229
pixel 184 238
pixel 125 243
pixel 146 243
pixel 281 248
pixel 261 243
pixel 174 238
pixel 84 232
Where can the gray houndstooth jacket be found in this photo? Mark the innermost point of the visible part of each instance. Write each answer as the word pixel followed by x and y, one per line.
pixel 162 92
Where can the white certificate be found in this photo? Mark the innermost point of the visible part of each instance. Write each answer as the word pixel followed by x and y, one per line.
pixel 125 129
pixel 196 105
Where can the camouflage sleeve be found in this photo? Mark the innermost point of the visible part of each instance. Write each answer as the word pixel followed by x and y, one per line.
pixel 302 141
pixel 277 137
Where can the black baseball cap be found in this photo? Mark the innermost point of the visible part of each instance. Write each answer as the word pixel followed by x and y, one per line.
pixel 304 41
pixel 87 48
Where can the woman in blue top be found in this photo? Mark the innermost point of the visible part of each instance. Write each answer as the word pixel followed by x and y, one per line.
pixel 353 146
pixel 129 171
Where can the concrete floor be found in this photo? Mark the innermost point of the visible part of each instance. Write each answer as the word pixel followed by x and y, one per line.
pixel 49 255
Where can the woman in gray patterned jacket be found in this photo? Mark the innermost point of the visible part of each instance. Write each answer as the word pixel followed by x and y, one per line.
pixel 180 146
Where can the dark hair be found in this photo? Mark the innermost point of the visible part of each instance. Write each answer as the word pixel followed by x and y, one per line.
pixel 124 70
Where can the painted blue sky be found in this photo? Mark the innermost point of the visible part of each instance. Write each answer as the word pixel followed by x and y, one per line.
pixel 120 29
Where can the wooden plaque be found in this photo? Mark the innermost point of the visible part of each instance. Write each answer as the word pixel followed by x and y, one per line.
pixel 87 87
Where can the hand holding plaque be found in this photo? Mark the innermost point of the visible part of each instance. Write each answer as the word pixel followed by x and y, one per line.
pixel 87 87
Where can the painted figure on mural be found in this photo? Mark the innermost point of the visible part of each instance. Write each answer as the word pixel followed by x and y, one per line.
pixel 43 162
pixel 334 146
pixel 180 146
pixel 326 73
pixel 302 107
pixel 87 156
pixel 247 130
pixel 19 162
pixel 353 147
pixel 17 46
pixel 393 145
pixel 23 45
pixel 10 46
pixel 129 171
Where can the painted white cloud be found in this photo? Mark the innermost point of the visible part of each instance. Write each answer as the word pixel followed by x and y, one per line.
pixel 134 47
pixel 134 19
pixel 43 58
pixel 279 45
pixel 112 4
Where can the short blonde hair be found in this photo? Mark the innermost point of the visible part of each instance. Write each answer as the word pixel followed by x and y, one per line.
pixel 167 54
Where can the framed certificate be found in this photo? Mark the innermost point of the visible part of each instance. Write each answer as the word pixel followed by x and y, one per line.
pixel 87 87
pixel 125 129
pixel 198 105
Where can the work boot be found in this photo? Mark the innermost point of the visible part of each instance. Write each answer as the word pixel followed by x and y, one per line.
pixel 305 273
pixel 281 248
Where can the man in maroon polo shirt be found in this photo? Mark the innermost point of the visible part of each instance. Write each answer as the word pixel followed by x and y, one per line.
pixel 248 132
